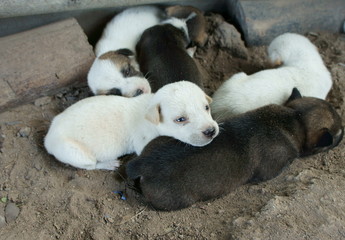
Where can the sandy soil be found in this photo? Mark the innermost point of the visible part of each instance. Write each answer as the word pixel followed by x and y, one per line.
pixel 40 198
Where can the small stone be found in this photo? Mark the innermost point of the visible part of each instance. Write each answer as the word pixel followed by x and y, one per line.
pixel 2 221
pixel 220 211
pixel 42 101
pixel 24 132
pixel 59 95
pixel 11 212
pixel 314 34
pixel 38 167
pixel 169 229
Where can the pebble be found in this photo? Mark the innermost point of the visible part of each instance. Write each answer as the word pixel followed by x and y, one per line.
pixel 11 212
pixel 2 221
pixel 42 101
pixel 24 132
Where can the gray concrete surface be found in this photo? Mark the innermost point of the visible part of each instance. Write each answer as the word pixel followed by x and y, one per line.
pixel 259 21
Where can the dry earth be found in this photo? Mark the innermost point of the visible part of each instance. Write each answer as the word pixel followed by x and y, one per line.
pixel 41 198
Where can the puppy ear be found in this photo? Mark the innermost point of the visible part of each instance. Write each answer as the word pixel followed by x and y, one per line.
pixel 154 114
pixel 325 139
pixel 208 98
pixel 295 94
pixel 125 52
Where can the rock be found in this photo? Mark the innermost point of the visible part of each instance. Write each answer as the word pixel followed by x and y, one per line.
pixel 228 37
pixel 2 138
pixel 11 212
pixel 42 101
pixel 2 221
pixel 24 132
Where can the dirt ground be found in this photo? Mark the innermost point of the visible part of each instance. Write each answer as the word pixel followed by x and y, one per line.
pixel 41 198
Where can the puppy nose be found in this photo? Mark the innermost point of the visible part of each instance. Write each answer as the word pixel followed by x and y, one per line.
pixel 138 92
pixel 209 132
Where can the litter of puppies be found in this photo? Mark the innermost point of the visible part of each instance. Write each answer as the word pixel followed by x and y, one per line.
pixel 266 119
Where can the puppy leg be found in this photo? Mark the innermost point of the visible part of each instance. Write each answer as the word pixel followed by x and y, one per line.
pixel 109 165
pixel 72 152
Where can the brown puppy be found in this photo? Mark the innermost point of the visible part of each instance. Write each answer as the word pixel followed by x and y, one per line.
pixel 254 146
pixel 162 55
pixel 196 25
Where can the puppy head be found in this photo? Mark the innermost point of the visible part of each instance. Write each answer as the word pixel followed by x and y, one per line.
pixel 179 24
pixel 322 124
pixel 290 49
pixel 195 20
pixel 117 72
pixel 181 110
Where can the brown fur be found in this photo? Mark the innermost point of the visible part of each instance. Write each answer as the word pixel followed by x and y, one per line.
pixel 196 25
pixel 117 58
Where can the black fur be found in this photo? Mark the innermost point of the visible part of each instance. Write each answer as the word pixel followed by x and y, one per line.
pixel 162 57
pixel 254 146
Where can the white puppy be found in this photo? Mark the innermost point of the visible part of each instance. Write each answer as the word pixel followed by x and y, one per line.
pixel 302 67
pixel 115 70
pixel 96 131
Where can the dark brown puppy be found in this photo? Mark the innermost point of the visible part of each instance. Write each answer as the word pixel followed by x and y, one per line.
pixel 163 58
pixel 196 24
pixel 254 146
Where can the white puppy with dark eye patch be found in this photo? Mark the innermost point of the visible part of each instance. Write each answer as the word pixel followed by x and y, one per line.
pixel 302 67
pixel 96 131
pixel 115 70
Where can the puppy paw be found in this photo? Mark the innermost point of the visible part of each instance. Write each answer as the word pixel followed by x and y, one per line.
pixel 110 165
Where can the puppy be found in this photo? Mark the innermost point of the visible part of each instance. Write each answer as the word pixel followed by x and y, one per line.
pixel 196 25
pixel 96 131
pixel 255 145
pixel 302 67
pixel 162 55
pixel 115 70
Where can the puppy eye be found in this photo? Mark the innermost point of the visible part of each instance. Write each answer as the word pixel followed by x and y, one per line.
pixel 180 120
pixel 128 71
pixel 207 107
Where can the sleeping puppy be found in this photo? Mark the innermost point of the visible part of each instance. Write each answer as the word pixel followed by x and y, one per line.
pixel 94 132
pixel 302 67
pixel 162 55
pixel 254 146
pixel 196 25
pixel 115 70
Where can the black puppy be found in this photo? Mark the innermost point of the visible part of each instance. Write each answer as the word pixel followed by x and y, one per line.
pixel 255 145
pixel 163 57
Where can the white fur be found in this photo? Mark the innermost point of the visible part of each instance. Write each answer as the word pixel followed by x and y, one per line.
pixel 96 131
pixel 123 31
pixel 105 75
pixel 302 67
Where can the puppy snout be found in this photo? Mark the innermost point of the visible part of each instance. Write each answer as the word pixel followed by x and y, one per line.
pixel 138 92
pixel 210 132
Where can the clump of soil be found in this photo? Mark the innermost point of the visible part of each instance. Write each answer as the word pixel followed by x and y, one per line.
pixel 41 198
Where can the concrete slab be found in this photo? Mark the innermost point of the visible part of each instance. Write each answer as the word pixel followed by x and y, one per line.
pixel 39 62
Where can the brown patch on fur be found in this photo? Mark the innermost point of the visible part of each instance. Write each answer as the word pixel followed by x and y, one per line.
pixel 118 59
pixel 154 115
pixel 317 128
pixel 196 25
